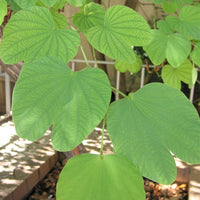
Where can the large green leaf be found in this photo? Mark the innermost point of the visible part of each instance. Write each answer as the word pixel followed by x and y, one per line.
pixel 174 47
pixel 110 178
pixel 169 7
pixel 150 124
pixel 123 27
pixel 189 24
pixel 25 4
pixel 131 67
pixel 49 92
pixel 60 21
pixel 173 76
pixel 91 15
pixel 3 10
pixel 31 34
pixel 195 55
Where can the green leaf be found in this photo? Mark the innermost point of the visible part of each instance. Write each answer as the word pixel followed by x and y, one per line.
pixel 174 47
pixel 78 3
pixel 169 7
pixel 49 92
pixel 195 55
pixel 123 27
pixel 3 10
pixel 25 4
pixel 173 76
pixel 164 27
pixel 110 178
pixel 60 21
pixel 91 15
pixel 13 5
pixel 189 24
pixel 131 67
pixel 193 78
pixel 59 4
pixel 149 124
pixel 31 34
pixel 48 3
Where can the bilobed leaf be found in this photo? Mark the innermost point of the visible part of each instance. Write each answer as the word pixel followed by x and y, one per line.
pixel 3 10
pixel 131 67
pixel 48 3
pixel 175 47
pixel 110 178
pixel 25 4
pixel 31 34
pixel 173 76
pixel 123 27
pixel 155 117
pixel 49 92
pixel 91 15
pixel 60 21
pixel 195 55
pixel 189 24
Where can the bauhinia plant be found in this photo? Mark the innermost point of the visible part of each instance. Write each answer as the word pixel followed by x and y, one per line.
pixel 147 127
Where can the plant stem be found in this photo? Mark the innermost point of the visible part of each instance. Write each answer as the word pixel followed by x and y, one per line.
pixel 85 58
pixel 116 90
pixel 102 136
pixel 94 57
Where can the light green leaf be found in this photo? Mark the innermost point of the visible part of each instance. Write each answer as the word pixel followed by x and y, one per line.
pixel 174 47
pixel 195 55
pixel 173 76
pixel 3 10
pixel 149 124
pixel 78 3
pixel 60 21
pixel 31 34
pixel 164 27
pixel 25 4
pixel 48 3
pixel 49 92
pixel 123 27
pixel 91 15
pixel 169 7
pixel 110 178
pixel 193 78
pixel 189 24
pixel 131 67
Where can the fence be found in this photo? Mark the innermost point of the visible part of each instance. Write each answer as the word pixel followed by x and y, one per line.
pixel 73 66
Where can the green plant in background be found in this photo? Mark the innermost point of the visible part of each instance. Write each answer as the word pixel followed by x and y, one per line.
pixel 145 127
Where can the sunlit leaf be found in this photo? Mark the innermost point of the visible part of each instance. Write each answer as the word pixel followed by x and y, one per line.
pixel 169 7
pixel 79 3
pixel 110 178
pixel 123 27
pixel 47 92
pixel 91 15
pixel 60 21
pixel 173 76
pixel 31 34
pixel 149 124
pixel 3 10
